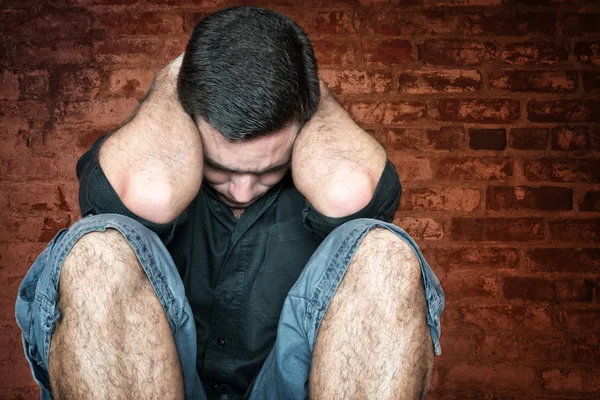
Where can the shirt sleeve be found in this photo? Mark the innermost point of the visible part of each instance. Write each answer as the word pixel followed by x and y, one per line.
pixel 382 206
pixel 97 196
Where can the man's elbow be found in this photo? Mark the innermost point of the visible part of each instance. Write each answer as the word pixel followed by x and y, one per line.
pixel 349 196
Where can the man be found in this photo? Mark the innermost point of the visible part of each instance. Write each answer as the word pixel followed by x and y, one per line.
pixel 206 265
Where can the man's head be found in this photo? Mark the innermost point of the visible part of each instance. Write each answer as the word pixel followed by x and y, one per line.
pixel 250 75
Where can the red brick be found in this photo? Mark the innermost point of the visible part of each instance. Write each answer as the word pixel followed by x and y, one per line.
pixel 191 19
pixel 17 258
pixel 575 138
pixel 532 289
pixel 446 199
pixel 391 2
pixel 499 349
pixel 34 84
pixel 149 52
pixel 576 110
pixel 447 81
pixel 487 139
pixel 10 342
pixel 546 322
pixel 31 200
pixel 10 19
pixel 21 392
pixel 386 52
pixel 564 260
pixel 562 170
pixel 457 52
pixel 138 23
pixel 44 54
pixel 583 321
pixel 25 167
pixel 591 81
pixel 9 85
pixel 534 81
pixel 588 52
pixel 99 112
pixel 510 24
pixel 356 82
pixel 396 22
pixel 483 111
pixel 591 202
pixel 327 22
pixel 476 258
pixel 81 84
pixel 544 198
pixel 445 138
pixel 20 126
pixel 469 284
pixel 581 24
pixel 388 112
pixel 131 81
pixel 529 53
pixel 411 169
pixel 32 229
pixel 461 3
pixel 471 168
pixel 557 380
pixel 497 229
pixel 528 138
pixel 498 376
pixel 335 52
pixel 575 230
pixel 54 25
pixel 421 228
pixel 586 350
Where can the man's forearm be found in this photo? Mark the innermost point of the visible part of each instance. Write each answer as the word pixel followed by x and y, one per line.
pixel 336 165
pixel 154 162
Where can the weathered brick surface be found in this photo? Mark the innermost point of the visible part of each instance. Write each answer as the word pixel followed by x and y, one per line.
pixel 502 198
pixel 488 109
pixel 497 229
pixel 484 111
pixel 530 53
pixel 528 138
pixel 534 81
pixel 487 139
pixel 446 81
pixel 453 52
pixel 576 138
pixel 562 170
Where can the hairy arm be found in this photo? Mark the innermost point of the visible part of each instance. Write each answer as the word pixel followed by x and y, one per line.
pixel 154 162
pixel 335 164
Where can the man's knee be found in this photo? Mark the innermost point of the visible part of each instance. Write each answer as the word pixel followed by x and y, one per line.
pixel 100 261
pixel 385 256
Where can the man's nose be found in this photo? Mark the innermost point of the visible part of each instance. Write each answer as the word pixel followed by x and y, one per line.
pixel 241 188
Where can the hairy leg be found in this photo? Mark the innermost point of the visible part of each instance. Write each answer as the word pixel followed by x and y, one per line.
pixel 374 341
pixel 113 339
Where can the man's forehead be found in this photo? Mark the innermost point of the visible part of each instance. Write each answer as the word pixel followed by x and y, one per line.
pixel 258 155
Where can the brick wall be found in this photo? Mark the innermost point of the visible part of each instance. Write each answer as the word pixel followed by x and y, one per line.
pixel 489 109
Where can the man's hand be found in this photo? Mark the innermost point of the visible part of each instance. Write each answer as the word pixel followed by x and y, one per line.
pixel 335 164
pixel 154 162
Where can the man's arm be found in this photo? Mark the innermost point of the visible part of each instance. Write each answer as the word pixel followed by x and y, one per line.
pixel 154 162
pixel 335 164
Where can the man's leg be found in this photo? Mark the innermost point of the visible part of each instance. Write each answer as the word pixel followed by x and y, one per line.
pixel 374 341
pixel 113 340
pixel 104 315
pixel 367 307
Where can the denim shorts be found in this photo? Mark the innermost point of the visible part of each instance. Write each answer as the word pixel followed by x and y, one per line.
pixel 284 374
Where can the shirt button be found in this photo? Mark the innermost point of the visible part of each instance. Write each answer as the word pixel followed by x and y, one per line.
pixel 221 342
pixel 228 297
pixel 215 385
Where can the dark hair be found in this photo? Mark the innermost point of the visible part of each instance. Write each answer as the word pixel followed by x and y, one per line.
pixel 249 71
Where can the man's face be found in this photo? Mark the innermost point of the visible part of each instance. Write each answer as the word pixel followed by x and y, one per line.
pixel 243 171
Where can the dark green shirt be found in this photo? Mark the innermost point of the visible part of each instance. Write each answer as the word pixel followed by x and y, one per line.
pixel 236 272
